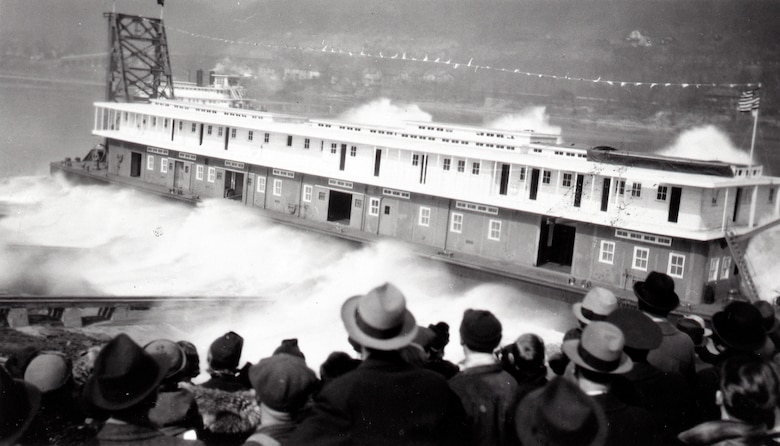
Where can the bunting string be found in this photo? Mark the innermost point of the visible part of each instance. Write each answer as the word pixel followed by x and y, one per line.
pixel 455 65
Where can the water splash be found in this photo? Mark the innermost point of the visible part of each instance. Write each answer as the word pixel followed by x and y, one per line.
pixel 706 143
pixel 385 113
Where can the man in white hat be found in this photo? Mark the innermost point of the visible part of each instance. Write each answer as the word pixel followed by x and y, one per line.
pixel 598 357
pixel 385 401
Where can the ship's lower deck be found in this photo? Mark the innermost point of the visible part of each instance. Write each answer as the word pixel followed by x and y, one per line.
pixel 565 256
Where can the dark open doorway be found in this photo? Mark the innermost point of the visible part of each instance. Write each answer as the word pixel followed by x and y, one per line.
pixel 556 245
pixel 135 164
pixel 339 207
pixel 234 185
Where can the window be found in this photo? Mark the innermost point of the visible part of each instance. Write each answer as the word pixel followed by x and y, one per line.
pixel 165 123
pixel 306 143
pixel 250 136
pixel 714 266
pixel 566 182
pixel 415 159
pixel 289 140
pixel 266 137
pixel 212 174
pixel 607 253
pixel 461 166
pixel 662 192
pixel 322 196
pixel 621 187
pixel 522 173
pixel 261 184
pixel 771 194
pixel 373 206
pixel 219 131
pixel 149 162
pixel 208 130
pixel 725 266
pixel 277 187
pixel 715 194
pixel 676 265
pixel 154 121
pixel 546 177
pixel 387 210
pixel 164 165
pixel 307 192
pixel 232 133
pixel 425 216
pixel 333 147
pixel 353 151
pixel 199 172
pixel 475 168
pixel 494 232
pixel 456 225
pixel 194 127
pixel 636 190
pixel 641 256
pixel 446 165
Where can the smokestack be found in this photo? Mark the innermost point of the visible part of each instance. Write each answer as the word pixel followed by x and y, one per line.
pixel 199 78
pixel 211 77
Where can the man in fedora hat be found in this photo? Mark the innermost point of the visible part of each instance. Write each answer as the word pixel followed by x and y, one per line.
pixel 384 401
pixel 666 395
pixel 19 403
pixel 488 393
pixel 595 306
pixel 598 358
pixel 656 298
pixel 737 331
pixel 124 384
pixel 560 414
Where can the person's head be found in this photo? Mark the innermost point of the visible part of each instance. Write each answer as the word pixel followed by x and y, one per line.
pixel 525 355
pixel 599 352
pixel 655 295
pixel 337 364
pixel 749 390
pixel 283 382
pixel 290 347
pixel 379 319
pixel 171 356
pixel 739 327
pixel 641 334
pixel 192 360
pixel 441 331
pixel 595 306
pixel 560 414
pixel 125 380
pixel 19 403
pixel 50 371
pixel 480 331
pixel 225 352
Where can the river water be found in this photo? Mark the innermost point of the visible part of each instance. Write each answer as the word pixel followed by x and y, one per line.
pixel 112 241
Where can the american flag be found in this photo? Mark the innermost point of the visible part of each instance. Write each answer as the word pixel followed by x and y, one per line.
pixel 748 100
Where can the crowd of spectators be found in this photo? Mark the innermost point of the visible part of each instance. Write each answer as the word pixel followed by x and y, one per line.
pixel 623 376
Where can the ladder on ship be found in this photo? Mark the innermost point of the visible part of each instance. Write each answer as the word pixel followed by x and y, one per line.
pixel 738 246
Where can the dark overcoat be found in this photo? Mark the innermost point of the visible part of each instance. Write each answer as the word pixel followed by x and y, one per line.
pixel 384 402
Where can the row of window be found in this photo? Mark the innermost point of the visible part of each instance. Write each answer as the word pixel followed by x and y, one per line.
pixel 640 260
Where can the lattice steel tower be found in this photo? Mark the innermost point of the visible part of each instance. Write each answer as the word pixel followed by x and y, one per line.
pixel 139 68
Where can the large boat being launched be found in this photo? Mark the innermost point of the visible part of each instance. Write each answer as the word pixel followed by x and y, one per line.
pixel 517 203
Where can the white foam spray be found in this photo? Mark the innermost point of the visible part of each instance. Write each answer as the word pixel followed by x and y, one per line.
pixel 706 143
pixel 384 112
pixel 123 242
pixel 531 118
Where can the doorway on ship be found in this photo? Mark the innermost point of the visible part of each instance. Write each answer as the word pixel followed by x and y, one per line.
pixel 135 164
pixel 181 177
pixel 340 207
pixel 556 245
pixel 234 185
